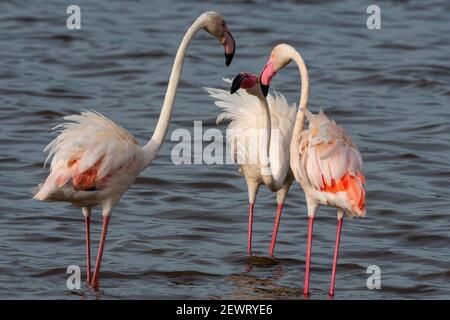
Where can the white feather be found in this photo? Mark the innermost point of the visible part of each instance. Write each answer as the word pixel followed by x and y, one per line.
pixel 90 139
pixel 243 112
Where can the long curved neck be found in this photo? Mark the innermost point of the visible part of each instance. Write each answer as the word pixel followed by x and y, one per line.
pixel 264 154
pixel 267 125
pixel 156 141
pixel 304 96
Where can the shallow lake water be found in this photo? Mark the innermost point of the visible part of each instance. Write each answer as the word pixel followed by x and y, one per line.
pixel 180 231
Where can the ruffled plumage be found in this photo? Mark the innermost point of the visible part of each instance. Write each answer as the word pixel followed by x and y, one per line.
pixel 243 111
pixel 327 160
pixel 88 149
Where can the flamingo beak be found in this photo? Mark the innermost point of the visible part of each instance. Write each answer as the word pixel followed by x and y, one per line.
pixel 230 47
pixel 266 76
pixel 265 89
pixel 236 84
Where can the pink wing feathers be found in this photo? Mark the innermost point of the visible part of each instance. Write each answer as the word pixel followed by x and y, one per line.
pixel 330 162
pixel 86 151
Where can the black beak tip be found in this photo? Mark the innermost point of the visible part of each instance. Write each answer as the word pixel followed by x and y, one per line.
pixel 228 58
pixel 265 89
pixel 236 84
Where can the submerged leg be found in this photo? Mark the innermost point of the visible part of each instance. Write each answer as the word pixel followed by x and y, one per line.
pixel 87 220
pixel 275 229
pixel 250 228
pixel 252 191
pixel 95 278
pixel 336 254
pixel 308 255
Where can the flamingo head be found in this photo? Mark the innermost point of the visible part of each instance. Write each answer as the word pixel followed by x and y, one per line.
pixel 215 25
pixel 279 58
pixel 247 81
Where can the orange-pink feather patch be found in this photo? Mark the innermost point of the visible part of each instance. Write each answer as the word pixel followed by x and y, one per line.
pixel 352 185
pixel 81 180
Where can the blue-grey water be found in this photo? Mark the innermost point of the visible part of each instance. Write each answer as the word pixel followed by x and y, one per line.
pixel 180 231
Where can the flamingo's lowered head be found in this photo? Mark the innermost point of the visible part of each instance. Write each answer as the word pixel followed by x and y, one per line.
pixel 280 57
pixel 215 25
pixel 247 81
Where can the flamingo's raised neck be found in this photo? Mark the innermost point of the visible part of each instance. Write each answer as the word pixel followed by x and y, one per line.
pixel 250 83
pixel 213 23
pixel 280 57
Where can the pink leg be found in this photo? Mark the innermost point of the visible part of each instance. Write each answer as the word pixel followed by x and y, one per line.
pixel 87 220
pixel 308 255
pixel 275 229
pixel 250 226
pixel 336 253
pixel 95 283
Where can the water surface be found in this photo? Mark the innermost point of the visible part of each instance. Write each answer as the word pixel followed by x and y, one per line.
pixel 180 231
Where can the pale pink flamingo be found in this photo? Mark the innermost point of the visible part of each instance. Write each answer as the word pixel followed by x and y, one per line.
pixel 95 161
pixel 269 123
pixel 324 160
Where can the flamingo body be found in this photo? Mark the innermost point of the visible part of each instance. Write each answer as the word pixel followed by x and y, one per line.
pixel 247 128
pixel 243 112
pixel 94 160
pixel 324 160
pixel 329 166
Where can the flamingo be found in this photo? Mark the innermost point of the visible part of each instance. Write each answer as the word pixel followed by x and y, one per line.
pixel 323 158
pixel 269 122
pixel 95 160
